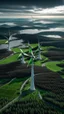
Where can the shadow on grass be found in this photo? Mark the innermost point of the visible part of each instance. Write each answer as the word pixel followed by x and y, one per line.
pixel 26 92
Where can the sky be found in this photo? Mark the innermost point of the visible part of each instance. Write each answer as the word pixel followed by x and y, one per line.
pixel 31 8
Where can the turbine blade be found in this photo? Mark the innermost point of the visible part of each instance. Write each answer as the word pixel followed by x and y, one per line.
pixel 26 54
pixel 30 61
pixel 21 51
pixel 20 55
pixel 6 42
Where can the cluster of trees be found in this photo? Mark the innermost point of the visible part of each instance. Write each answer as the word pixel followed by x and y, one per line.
pixel 55 99
pixel 3 101
pixel 50 81
pixel 61 65
pixel 55 55
pixel 30 106
pixel 16 69
pixel 4 53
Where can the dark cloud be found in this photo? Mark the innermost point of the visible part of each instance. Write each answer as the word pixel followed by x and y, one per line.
pixel 43 3
pixel 35 7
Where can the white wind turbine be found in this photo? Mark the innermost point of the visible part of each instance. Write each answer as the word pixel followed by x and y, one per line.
pixel 9 39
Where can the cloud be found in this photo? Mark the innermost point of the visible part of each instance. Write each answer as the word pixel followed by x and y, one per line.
pixel 60 29
pixel 30 31
pixel 19 11
pixel 43 22
pixel 53 10
pixel 53 36
pixel 25 26
pixel 1 13
pixel 33 9
pixel 8 23
pixel 36 31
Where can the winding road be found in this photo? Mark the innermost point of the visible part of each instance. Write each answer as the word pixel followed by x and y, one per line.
pixel 14 100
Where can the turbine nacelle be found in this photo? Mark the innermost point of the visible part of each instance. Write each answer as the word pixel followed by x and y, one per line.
pixel 21 56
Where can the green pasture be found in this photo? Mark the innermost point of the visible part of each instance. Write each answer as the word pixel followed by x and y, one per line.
pixel 17 49
pixel 53 66
pixel 10 59
pixel 46 48
pixel 40 62
pixel 12 89
pixel 62 76
pixel 2 41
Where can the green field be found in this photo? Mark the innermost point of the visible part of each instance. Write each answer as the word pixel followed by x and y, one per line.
pixel 11 58
pixel 11 90
pixel 53 66
pixel 17 49
pixel 2 41
pixel 40 62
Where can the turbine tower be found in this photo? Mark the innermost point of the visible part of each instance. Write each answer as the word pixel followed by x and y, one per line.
pixel 32 85
pixel 29 45
pixel 8 41
pixel 39 51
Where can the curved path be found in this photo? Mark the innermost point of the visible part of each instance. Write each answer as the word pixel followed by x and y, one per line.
pixel 8 82
pixel 23 85
pixel 14 100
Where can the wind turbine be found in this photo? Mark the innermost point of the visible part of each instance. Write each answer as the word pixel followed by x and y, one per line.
pixel 31 61
pixel 29 45
pixel 21 56
pixel 9 39
pixel 39 51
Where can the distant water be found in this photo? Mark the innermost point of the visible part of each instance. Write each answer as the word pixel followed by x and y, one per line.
pixel 2 46
pixel 12 44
